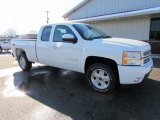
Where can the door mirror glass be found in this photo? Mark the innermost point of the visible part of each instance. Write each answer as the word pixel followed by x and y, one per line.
pixel 69 38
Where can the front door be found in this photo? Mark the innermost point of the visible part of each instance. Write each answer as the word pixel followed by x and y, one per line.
pixel 65 54
pixel 155 35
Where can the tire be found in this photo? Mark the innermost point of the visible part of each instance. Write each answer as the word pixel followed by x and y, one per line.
pixel 101 78
pixel 23 62
pixel 0 49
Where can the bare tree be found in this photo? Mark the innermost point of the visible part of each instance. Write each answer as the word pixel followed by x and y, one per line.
pixel 10 33
pixel 1 37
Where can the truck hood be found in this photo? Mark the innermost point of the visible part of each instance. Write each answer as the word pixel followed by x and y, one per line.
pixel 113 48
pixel 128 43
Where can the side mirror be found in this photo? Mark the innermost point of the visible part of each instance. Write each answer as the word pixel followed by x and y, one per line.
pixel 69 38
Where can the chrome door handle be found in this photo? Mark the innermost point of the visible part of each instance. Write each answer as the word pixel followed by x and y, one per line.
pixel 54 46
pixel 57 45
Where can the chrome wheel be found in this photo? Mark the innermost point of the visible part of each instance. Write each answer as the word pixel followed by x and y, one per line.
pixel 22 62
pixel 100 79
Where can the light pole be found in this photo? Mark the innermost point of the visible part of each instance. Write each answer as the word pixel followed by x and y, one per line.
pixel 47 16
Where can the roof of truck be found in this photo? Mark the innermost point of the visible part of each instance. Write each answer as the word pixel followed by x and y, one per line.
pixel 64 23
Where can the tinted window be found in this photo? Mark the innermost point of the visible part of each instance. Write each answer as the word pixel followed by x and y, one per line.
pixel 89 32
pixel 155 30
pixel 60 30
pixel 46 33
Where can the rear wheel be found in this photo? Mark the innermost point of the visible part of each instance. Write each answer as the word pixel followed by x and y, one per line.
pixel 0 49
pixel 101 78
pixel 24 64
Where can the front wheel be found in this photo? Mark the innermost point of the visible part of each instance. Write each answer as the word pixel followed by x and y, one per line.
pixel 24 64
pixel 101 78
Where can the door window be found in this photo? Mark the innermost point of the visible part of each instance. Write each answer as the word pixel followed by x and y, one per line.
pixel 46 33
pixel 60 30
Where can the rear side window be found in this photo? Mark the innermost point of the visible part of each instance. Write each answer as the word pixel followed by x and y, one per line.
pixel 46 33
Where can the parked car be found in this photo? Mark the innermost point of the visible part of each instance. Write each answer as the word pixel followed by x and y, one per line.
pixel 5 45
pixel 83 48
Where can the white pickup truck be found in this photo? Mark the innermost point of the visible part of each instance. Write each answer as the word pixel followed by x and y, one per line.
pixel 105 61
pixel 5 45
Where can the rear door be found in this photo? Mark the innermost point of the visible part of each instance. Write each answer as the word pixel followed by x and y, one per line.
pixel 43 45
pixel 65 55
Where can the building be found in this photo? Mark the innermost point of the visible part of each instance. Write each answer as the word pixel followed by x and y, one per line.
pixel 133 19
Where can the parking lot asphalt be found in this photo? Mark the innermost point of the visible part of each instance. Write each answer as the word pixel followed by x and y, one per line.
pixel 48 93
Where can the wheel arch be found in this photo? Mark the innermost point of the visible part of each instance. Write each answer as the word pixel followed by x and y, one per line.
pixel 90 60
pixel 19 51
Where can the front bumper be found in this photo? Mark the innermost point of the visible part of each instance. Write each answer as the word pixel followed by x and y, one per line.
pixel 134 74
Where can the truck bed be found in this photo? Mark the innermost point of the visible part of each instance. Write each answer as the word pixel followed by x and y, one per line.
pixel 28 45
pixel 19 39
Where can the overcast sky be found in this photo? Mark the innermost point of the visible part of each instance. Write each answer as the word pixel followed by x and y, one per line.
pixel 27 15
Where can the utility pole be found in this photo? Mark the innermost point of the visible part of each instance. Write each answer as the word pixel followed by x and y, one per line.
pixel 47 16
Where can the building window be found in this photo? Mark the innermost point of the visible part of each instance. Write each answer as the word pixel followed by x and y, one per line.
pixel 155 29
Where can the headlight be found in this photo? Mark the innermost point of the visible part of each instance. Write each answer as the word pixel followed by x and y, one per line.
pixel 131 58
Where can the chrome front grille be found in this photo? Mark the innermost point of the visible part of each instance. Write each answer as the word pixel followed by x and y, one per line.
pixel 147 53
pixel 146 56
pixel 146 60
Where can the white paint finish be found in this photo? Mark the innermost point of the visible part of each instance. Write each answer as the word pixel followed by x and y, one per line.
pixel 133 28
pixel 66 55
pixel 73 56
pixel 137 73
pixel 6 45
pixel 103 7
pixel 42 49
pixel 27 45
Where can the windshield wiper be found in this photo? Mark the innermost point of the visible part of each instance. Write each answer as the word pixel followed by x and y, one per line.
pixel 92 38
pixel 98 37
pixel 107 37
pixel 101 37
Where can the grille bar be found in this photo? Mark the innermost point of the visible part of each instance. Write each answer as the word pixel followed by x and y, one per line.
pixel 146 56
pixel 147 53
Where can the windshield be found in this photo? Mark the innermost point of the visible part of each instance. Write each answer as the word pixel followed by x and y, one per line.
pixel 89 32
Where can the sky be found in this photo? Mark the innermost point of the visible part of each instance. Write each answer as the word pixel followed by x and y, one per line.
pixel 29 15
